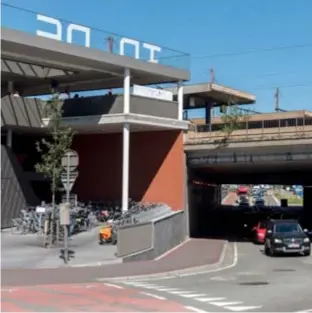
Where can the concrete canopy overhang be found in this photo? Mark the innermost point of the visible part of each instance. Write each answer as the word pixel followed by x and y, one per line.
pixel 114 123
pixel 213 93
pixel 85 68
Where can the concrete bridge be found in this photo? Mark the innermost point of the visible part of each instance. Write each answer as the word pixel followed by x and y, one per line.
pixel 271 148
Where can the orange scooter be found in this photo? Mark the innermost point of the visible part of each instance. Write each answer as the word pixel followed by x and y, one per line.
pixel 107 235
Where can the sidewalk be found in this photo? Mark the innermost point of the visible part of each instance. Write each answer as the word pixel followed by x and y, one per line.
pixel 230 199
pixel 195 252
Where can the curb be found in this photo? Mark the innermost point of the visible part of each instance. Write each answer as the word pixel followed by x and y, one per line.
pixel 176 273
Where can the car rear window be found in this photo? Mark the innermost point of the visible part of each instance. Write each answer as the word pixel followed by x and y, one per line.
pixel 287 228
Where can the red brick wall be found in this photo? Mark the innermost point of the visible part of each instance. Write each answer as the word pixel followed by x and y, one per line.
pixel 156 167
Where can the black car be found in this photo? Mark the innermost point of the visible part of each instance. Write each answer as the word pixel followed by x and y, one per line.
pixel 286 236
pixel 259 202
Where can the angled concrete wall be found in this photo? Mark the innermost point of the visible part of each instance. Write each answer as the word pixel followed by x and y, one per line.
pixel 159 235
pixel 16 192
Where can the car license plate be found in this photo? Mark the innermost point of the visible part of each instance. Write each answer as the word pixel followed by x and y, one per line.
pixel 293 245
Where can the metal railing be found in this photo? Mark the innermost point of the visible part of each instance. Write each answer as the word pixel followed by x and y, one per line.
pixel 251 131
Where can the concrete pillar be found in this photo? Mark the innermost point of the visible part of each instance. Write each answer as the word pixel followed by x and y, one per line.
pixel 186 190
pixel 126 144
pixel 9 138
pixel 208 114
pixel 180 100
pixel 11 87
pixel 307 199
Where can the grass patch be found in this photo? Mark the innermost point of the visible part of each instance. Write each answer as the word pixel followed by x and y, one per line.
pixel 292 199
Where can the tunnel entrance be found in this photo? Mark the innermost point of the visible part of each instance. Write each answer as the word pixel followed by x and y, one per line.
pixel 219 209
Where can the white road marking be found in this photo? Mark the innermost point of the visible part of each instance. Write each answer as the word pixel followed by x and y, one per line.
pixel 145 285
pixel 150 287
pixel 10 290
pixel 168 289
pixel 195 309
pixel 178 292
pixel 225 303
pixel 114 286
pixel 192 295
pixel 138 283
pixel 242 308
pixel 152 295
pixel 172 250
pixel 219 278
pixel 234 263
pixel 174 274
pixel 209 299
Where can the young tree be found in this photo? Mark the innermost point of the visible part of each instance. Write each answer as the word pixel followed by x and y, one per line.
pixel 233 119
pixel 53 149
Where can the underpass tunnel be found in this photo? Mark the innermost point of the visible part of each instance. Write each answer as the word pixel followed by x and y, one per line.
pixel 203 196
pixel 307 204
pixel 208 218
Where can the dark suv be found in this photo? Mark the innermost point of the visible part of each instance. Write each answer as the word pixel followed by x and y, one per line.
pixel 286 236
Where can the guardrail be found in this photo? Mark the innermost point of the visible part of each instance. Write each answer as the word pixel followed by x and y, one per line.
pixel 251 131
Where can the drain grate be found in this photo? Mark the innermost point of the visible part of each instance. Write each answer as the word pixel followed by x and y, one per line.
pixel 284 270
pixel 254 283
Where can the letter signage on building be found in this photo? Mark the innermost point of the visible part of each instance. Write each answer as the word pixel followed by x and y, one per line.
pixel 87 32
pixel 153 93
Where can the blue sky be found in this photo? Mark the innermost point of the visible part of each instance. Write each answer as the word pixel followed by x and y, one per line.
pixel 210 31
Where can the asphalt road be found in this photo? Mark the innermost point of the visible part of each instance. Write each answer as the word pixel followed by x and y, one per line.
pixel 256 284
pixel 271 201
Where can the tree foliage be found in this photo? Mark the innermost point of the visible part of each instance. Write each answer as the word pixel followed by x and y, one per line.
pixel 53 149
pixel 232 119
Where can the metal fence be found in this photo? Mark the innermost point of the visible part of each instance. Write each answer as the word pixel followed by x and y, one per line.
pixel 249 130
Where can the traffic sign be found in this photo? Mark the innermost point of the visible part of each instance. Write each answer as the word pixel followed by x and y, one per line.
pixel 70 160
pixel 68 180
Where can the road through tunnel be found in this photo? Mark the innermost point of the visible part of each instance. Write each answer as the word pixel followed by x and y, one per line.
pixel 210 218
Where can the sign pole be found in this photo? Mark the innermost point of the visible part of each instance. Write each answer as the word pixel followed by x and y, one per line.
pixel 70 162
pixel 65 243
pixel 67 200
pixel 68 177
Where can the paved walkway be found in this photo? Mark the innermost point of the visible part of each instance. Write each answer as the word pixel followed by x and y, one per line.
pixel 84 298
pixel 230 199
pixel 195 252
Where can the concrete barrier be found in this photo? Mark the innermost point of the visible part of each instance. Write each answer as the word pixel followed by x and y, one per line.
pixel 147 241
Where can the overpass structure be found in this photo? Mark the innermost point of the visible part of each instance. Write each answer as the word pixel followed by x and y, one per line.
pixel 270 148
pixel 266 143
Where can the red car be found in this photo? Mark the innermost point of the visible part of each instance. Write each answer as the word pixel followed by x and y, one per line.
pixel 260 232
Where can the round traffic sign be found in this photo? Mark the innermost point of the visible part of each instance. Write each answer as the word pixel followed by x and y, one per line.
pixel 70 160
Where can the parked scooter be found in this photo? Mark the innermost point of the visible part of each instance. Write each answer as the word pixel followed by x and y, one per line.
pixel 108 234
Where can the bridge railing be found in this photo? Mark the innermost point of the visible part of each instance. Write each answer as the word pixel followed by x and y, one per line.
pixel 276 129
